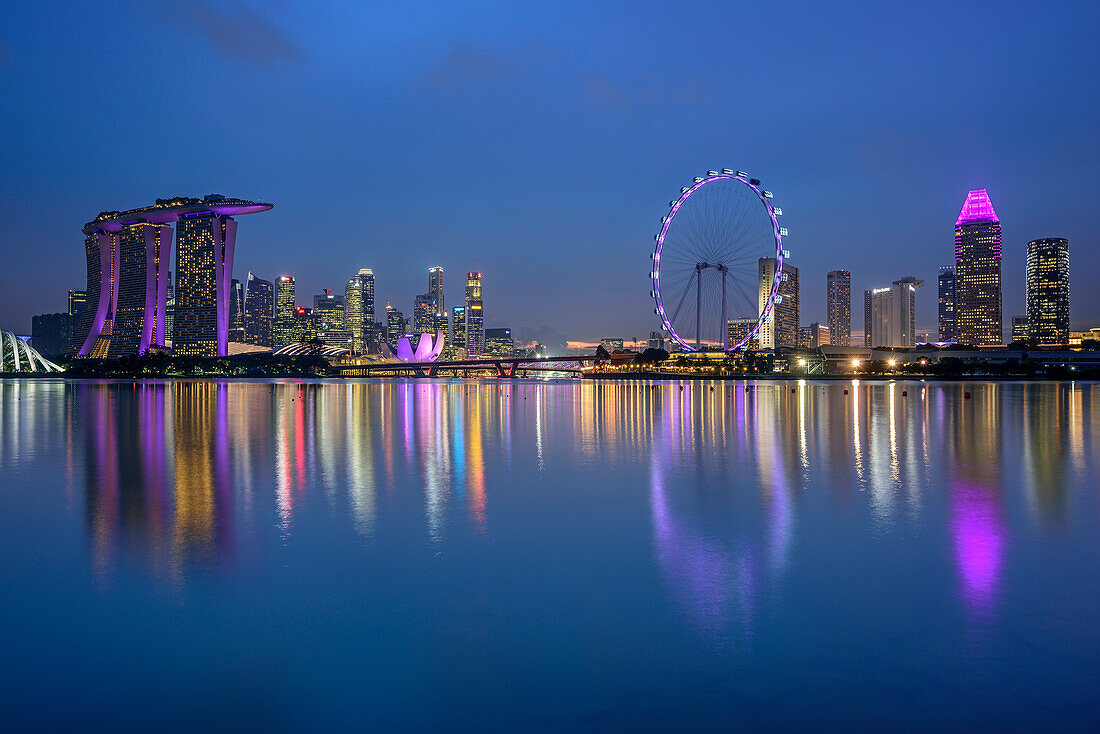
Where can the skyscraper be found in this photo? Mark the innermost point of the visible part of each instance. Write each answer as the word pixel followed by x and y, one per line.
pixel 781 328
pixel 51 333
pixel 458 331
pixel 978 272
pixel 78 303
pixel 1019 329
pixel 355 319
pixel 259 306
pixel 1048 291
pixel 892 319
pixel 839 306
pixel 435 289
pixel 947 304
pixel 143 253
pixel 423 314
pixel 169 309
pixel 395 325
pixel 498 343
pixel 737 330
pixel 475 329
pixel 236 312
pixel 284 311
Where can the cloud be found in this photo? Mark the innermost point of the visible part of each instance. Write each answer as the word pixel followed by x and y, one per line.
pixel 649 90
pixel 465 64
pixel 236 30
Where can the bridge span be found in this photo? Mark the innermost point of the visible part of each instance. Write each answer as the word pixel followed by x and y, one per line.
pixel 503 366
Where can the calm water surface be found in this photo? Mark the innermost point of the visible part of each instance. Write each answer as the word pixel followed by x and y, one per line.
pixel 541 556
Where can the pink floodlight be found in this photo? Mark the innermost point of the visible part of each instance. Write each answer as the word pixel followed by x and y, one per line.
pixel 977 208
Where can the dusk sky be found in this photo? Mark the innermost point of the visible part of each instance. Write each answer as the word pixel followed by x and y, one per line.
pixel 540 143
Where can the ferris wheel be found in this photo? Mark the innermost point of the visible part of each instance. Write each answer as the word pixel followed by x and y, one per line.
pixel 706 270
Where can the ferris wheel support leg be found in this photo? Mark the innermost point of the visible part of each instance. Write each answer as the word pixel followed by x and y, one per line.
pixel 724 325
pixel 698 308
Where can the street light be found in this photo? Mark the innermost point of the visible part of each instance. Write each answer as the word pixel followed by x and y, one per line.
pixel 893 362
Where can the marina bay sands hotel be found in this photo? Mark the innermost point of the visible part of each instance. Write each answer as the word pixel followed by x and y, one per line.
pixel 129 256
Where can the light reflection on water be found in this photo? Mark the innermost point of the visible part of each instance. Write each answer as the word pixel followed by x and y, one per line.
pixel 754 498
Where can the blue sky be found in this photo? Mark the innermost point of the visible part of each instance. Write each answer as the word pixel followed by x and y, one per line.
pixel 540 143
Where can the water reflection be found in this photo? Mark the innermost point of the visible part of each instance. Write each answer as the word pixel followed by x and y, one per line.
pixel 182 477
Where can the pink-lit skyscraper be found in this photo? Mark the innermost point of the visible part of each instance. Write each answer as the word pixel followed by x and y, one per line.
pixel 978 272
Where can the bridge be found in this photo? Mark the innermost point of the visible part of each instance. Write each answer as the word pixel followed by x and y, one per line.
pixel 503 366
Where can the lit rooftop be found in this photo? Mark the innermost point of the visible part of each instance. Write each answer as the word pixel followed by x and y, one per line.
pixel 977 208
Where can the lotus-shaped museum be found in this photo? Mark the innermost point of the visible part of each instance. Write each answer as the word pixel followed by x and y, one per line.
pixel 427 349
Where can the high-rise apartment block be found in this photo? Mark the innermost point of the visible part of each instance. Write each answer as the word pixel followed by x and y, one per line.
pixel 978 272
pixel 838 293
pixel 1048 291
pixel 780 329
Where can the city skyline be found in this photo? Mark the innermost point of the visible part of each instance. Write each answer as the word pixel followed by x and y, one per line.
pixel 871 177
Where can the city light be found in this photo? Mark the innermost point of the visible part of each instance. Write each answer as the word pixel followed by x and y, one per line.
pixel 893 362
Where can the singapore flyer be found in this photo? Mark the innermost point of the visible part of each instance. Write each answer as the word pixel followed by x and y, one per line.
pixel 706 263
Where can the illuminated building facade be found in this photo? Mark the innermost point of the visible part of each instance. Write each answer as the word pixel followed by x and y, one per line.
pixel 839 306
pixel 475 317
pixel 423 315
pixel 284 311
pixel 946 283
pixel 259 306
pixel 395 324
pixel 356 319
pixel 978 272
pixel 1048 290
pixel 236 312
pixel 1019 329
pixel 435 289
pixel 892 314
pixel 458 331
pixel 611 344
pixel 736 331
pixel 128 256
pixel 498 343
pixel 819 336
pixel 780 329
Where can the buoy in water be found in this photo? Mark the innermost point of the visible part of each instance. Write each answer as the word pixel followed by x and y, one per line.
pixel 966 396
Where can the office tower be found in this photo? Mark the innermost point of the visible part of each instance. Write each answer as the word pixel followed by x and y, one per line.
pixel 51 333
pixel 376 334
pixel 1020 330
pixel 819 336
pixel 78 302
pixel 143 252
pixel 737 330
pixel 839 306
pixel 259 309
pixel 435 289
pixel 284 311
pixel 892 319
pixel 1048 290
pixel 475 317
pixel 781 328
pixel 423 314
pixel 978 272
pixel 441 324
pixel 947 304
pixel 236 312
pixel 657 339
pixel 458 331
pixel 304 325
pixel 328 307
pixel 356 319
pixel 395 325
pixel 498 343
